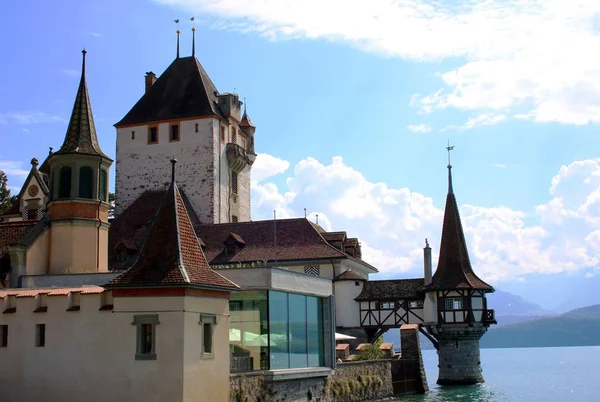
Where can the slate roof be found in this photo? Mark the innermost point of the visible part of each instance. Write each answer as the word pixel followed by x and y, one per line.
pixel 183 90
pixel 334 236
pixel 246 122
pixel 349 276
pixel 391 289
pixel 454 269
pixel 81 135
pixel 171 254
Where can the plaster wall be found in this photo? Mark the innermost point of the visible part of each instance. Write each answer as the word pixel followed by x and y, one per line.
pixel 325 270
pixel 87 349
pixel 73 247
pixel 347 311
pixel 36 257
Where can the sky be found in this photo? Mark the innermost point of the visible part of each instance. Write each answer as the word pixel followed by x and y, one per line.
pixel 354 104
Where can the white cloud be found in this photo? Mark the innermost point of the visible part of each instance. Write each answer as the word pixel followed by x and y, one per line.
pixel 266 166
pixel 529 56
pixel 14 170
pixel 27 118
pixel 419 128
pixel 392 223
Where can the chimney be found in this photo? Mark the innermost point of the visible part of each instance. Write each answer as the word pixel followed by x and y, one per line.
pixel 150 80
pixel 427 263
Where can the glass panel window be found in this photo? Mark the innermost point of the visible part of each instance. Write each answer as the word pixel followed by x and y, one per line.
pixel 207 341
pixel 146 336
pixel 248 331
pixel 297 325
pixel 64 184
pixel 278 330
pixel 86 182
pixel 453 303
pixel 386 305
pixel 314 330
pixel 415 304
pixel 146 339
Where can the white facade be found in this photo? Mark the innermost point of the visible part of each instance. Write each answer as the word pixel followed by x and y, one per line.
pixel 203 171
pixel 347 314
pixel 90 355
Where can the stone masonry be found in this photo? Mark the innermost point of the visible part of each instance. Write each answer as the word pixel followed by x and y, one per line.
pixel 458 354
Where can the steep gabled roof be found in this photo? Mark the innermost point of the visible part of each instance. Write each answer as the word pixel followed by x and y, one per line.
pixel 183 90
pixel 391 289
pixel 81 135
pixel 172 254
pixel 246 122
pixel 454 269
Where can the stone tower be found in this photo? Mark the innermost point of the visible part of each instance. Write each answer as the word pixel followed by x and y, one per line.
pixel 78 207
pixel 182 115
pixel 455 306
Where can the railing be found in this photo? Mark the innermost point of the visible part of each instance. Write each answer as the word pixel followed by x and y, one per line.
pixel 489 316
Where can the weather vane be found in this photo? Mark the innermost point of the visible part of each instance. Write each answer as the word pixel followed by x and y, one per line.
pixel 449 148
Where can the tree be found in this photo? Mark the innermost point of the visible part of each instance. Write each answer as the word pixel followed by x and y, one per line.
pixel 5 198
pixel 111 201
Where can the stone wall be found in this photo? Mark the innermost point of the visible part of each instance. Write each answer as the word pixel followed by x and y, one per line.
pixel 408 373
pixel 360 381
pixel 459 358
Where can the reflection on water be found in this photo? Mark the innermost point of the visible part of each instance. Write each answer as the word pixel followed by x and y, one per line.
pixel 473 393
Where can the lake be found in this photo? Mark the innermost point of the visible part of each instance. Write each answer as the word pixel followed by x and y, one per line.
pixel 568 374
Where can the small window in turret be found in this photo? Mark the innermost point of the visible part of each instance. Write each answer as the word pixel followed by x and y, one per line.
pixel 174 133
pixel 233 135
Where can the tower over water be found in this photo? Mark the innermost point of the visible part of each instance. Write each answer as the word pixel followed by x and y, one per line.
pixel 182 115
pixel 455 306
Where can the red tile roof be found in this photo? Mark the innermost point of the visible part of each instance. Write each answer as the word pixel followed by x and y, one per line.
pixel 12 232
pixel 334 236
pixel 84 290
pixel 454 269
pixel 171 254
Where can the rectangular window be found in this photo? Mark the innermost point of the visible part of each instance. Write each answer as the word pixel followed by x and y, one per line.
pixel 3 336
pixel 415 304
pixel 234 182
pixel 453 303
pixel 102 185
pixel 146 336
pixel 40 335
pixel 223 134
pixel 386 305
pixel 32 214
pixel 133 135
pixel 233 135
pixel 152 135
pixel 234 218
pixel 174 135
pixel 208 323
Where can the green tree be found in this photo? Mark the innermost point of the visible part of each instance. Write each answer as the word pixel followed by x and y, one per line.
pixel 111 201
pixel 371 352
pixel 5 198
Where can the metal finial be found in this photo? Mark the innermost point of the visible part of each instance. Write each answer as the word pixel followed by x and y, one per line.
pixel 304 213
pixel 426 243
pixel 449 148
pixel 178 32
pixel 173 162
pixel 83 52
pixel 50 149
pixel 193 36
pixel 317 215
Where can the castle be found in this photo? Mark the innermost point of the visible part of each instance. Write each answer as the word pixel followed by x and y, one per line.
pixel 182 289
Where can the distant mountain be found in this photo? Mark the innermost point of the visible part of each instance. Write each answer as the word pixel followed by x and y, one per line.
pixel 580 327
pixel 582 293
pixel 509 304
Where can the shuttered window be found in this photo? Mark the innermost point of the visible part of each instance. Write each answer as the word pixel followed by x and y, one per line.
pixel 102 186
pixel 86 182
pixel 64 184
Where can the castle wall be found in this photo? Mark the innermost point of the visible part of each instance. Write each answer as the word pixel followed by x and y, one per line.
pixel 90 355
pixel 142 166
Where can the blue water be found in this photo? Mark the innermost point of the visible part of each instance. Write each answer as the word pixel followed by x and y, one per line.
pixel 570 374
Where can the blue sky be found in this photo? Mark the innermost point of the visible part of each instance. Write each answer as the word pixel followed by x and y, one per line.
pixel 381 85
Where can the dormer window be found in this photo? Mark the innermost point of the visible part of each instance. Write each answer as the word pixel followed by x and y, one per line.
pixel 233 244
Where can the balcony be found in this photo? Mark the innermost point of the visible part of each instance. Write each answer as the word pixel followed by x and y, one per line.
pixel 489 317
pixel 238 157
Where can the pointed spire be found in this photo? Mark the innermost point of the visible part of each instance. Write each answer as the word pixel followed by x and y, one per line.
pixel 246 122
pixel 172 254
pixel 454 269
pixel 81 133
pixel 178 32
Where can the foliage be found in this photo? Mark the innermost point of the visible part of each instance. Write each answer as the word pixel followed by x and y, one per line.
pixel 347 389
pixel 6 199
pixel 111 200
pixel 370 352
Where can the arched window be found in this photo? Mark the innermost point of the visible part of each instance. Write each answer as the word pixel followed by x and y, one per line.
pixel 64 183
pixel 102 185
pixel 86 182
